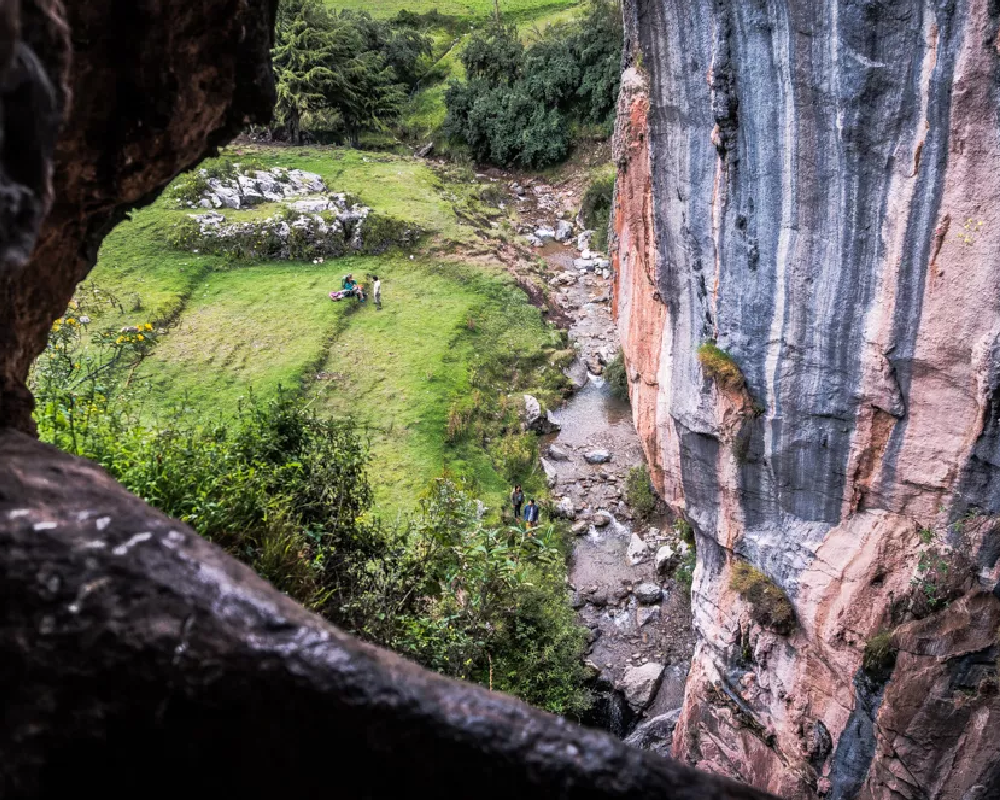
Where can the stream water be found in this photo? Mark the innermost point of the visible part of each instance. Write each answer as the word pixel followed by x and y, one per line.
pixel 635 615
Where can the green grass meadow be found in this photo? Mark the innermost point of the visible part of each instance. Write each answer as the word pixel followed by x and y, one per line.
pixel 231 329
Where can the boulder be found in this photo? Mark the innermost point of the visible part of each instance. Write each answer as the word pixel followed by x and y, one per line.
pixel 550 473
pixel 564 230
pixel 580 528
pixel 545 233
pixel 656 734
pixel 534 419
pixel 584 264
pixel 666 561
pixel 646 614
pixel 647 593
pixel 425 150
pixel 556 453
pixel 599 456
pixel 565 509
pixel 637 550
pixel 602 519
pixel 534 241
pixel 583 240
pixel 640 684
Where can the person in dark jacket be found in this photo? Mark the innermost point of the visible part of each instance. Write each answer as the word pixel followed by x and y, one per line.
pixel 530 516
pixel 516 500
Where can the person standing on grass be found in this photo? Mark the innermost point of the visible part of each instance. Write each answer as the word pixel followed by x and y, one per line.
pixel 530 516
pixel 516 499
pixel 377 292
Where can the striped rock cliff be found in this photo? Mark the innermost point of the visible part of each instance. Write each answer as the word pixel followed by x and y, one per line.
pixel 812 187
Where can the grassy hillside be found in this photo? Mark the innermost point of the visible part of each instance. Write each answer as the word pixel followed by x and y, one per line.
pixel 397 374
pixel 520 10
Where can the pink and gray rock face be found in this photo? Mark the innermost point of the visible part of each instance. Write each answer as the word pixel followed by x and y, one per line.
pixel 813 185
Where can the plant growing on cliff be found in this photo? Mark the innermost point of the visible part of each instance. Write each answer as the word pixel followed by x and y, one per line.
pixel 639 491
pixel 719 366
pixel 879 657
pixel 769 603
pixel 595 209
pixel 616 376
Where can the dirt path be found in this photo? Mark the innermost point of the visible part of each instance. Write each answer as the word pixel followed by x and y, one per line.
pixel 639 618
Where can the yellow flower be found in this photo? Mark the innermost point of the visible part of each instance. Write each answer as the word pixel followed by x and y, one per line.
pixel 147 327
pixel 119 340
pixel 142 338
pixel 71 321
pixel 76 365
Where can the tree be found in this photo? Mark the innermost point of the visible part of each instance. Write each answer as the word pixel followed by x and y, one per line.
pixel 330 73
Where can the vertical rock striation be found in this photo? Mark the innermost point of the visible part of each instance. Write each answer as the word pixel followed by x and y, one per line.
pixel 812 186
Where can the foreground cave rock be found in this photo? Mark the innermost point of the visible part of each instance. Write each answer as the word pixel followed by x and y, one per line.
pixel 808 298
pixel 136 658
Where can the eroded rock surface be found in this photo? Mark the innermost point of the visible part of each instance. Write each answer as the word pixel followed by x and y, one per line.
pixel 154 87
pixel 813 187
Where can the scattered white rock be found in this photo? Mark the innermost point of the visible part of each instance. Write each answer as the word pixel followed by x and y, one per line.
pixel 666 560
pixel 637 550
pixel 545 233
pixel 647 593
pixel 640 684
pixel 602 519
pixel 550 473
pixel 583 240
pixel 599 456
pixel 564 230
pixel 580 528
pixel 566 509
pixel 556 453
pixel 646 614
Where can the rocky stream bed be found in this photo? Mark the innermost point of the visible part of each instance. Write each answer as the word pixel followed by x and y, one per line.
pixel 621 573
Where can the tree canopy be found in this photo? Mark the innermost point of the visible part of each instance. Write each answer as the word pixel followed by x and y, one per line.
pixel 342 73
pixel 518 104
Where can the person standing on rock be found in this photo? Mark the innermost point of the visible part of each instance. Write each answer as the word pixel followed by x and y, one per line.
pixel 516 499
pixel 530 516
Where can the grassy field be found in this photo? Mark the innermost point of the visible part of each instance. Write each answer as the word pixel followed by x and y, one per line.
pixel 518 10
pixel 396 374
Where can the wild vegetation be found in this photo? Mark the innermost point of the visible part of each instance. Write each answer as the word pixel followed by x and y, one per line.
pixel 616 376
pixel 342 73
pixel 518 104
pixel 720 367
pixel 769 603
pixel 357 459
pixel 639 491
pixel 879 656
pixel 595 209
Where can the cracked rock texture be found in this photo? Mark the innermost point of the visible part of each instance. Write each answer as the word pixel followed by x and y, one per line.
pixel 813 186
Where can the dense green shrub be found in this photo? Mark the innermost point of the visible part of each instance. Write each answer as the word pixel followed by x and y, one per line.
pixel 770 605
pixel 616 376
pixel 343 73
pixel 518 103
pixel 288 493
pixel 476 601
pixel 639 491
pixel 595 209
